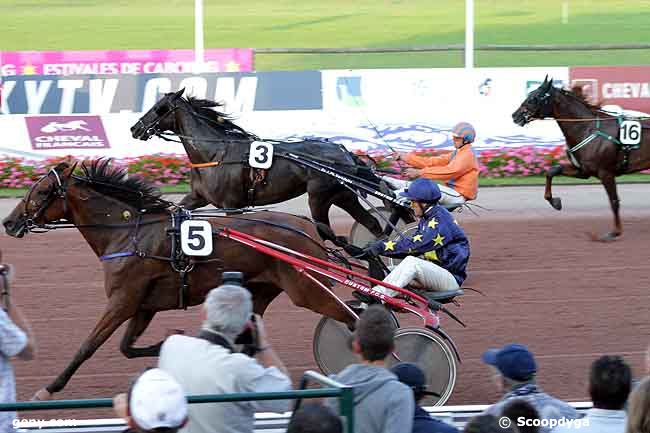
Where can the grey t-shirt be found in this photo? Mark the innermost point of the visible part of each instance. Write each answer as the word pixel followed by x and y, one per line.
pixel 12 341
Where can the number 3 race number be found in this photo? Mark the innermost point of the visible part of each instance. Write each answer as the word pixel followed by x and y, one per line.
pixel 196 238
pixel 261 155
pixel 630 132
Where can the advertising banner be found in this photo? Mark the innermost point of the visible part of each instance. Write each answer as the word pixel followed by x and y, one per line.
pixel 627 87
pixel 66 132
pixel 112 62
pixel 368 110
pixel 414 108
pixel 99 94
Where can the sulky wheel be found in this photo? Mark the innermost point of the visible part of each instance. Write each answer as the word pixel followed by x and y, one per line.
pixel 430 352
pixel 332 350
pixel 360 236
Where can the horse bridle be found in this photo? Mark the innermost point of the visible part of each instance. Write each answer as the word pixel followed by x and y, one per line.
pixel 58 191
pixel 154 127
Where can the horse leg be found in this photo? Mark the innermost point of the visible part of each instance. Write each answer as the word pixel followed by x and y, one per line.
pixel 564 170
pixel 349 202
pixel 320 208
pixel 306 294
pixel 608 180
pixel 136 327
pixel 116 313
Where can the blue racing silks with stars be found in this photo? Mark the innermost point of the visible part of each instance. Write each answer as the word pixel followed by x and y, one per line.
pixel 438 239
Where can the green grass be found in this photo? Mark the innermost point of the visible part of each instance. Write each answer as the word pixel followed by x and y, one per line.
pixel 140 24
pixel 483 182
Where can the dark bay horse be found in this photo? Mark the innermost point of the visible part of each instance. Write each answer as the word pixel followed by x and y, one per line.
pixel 116 214
pixel 594 142
pixel 209 136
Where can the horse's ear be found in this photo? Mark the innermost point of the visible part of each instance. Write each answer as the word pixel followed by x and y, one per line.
pixel 545 79
pixel 179 93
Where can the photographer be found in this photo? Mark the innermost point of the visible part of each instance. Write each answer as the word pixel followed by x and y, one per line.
pixel 16 340
pixel 209 364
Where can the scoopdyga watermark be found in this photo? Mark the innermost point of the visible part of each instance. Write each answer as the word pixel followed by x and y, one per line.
pixel 505 422
pixel 44 423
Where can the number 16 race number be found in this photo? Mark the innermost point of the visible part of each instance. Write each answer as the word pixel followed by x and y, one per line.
pixel 630 132
pixel 196 237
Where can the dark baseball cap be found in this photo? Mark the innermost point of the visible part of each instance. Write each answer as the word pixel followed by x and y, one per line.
pixel 514 361
pixel 409 374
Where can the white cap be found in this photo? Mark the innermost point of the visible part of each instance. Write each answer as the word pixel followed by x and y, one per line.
pixel 157 400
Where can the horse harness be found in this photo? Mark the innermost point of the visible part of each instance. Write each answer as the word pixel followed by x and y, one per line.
pixel 624 148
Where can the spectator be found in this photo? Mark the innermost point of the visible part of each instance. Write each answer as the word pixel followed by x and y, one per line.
pixel 515 374
pixel 208 364
pixel 487 424
pixel 155 403
pixel 381 401
pixel 638 415
pixel 519 408
pixel 609 386
pixel 314 418
pixel 16 340
pixel 412 376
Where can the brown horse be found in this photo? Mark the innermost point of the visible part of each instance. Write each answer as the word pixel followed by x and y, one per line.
pixel 595 142
pixel 117 214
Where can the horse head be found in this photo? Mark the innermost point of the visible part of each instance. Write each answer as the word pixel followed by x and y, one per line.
pixel 158 119
pixel 537 105
pixel 45 202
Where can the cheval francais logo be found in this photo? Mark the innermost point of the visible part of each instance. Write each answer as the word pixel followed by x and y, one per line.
pixel 66 132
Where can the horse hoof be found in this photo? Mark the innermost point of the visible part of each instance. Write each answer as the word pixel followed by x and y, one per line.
pixel 556 202
pixel 42 395
pixel 609 237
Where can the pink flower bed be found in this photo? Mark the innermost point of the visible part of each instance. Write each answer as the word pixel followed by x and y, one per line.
pixel 521 161
pixel 173 169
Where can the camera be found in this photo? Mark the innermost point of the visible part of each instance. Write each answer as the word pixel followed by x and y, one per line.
pixel 248 338
pixel 234 278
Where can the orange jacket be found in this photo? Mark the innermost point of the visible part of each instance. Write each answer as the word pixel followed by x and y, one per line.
pixel 459 170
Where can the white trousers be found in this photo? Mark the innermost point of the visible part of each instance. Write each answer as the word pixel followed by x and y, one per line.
pixel 449 195
pixel 430 275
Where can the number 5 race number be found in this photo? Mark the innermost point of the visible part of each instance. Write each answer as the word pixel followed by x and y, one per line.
pixel 261 155
pixel 196 238
pixel 630 132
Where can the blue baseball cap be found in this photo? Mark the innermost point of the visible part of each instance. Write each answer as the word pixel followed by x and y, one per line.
pixel 409 374
pixel 514 361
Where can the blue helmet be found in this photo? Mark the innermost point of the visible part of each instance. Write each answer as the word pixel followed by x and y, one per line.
pixel 466 131
pixel 424 190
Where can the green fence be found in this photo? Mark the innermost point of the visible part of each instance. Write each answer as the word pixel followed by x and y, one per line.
pixel 334 389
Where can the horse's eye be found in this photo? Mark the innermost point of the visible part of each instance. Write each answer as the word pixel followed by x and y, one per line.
pixel 161 111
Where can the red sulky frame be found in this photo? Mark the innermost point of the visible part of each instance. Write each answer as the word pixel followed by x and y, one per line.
pixel 305 264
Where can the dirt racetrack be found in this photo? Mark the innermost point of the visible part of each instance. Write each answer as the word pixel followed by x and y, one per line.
pixel 547 285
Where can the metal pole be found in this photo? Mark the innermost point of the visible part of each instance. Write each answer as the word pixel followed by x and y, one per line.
pixel 347 407
pixel 199 58
pixel 469 34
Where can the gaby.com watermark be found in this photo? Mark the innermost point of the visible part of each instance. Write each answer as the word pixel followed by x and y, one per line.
pixel 506 422
pixel 44 423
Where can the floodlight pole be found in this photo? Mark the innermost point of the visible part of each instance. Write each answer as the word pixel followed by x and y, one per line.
pixel 469 34
pixel 199 59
